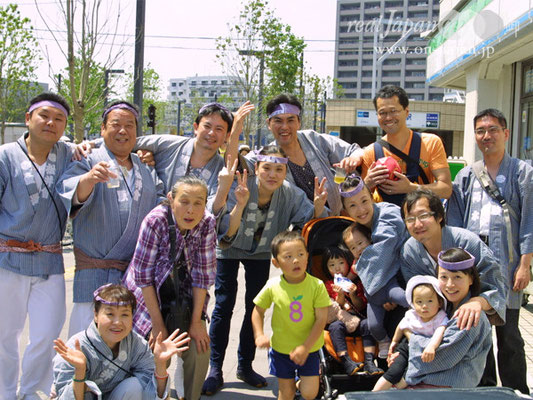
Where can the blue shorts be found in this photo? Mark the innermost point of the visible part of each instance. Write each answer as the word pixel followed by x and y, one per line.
pixel 281 365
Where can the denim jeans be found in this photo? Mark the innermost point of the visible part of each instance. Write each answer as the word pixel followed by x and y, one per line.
pixel 256 275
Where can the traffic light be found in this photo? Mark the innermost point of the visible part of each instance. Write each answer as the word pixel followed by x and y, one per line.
pixel 151 116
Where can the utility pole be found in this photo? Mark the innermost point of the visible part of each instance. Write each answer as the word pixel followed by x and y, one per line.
pixel 139 59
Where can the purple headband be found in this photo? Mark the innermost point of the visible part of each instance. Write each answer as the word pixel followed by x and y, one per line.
pixel 97 297
pixel 285 108
pixel 272 159
pixel 48 103
pixel 354 191
pixel 122 106
pixel 458 265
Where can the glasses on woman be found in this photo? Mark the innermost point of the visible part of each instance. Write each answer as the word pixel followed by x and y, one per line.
pixel 422 217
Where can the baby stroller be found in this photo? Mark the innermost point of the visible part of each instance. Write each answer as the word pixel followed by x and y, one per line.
pixel 319 234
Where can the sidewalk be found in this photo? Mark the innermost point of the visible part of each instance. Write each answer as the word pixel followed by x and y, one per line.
pixel 235 389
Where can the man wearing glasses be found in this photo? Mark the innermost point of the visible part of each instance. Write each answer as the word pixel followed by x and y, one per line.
pixel 421 156
pixel 494 199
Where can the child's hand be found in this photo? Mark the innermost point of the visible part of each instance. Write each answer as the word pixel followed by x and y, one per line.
pixel 74 357
pixel 299 355
pixel 262 341
pixel 165 349
pixel 337 289
pixel 428 354
pixel 352 288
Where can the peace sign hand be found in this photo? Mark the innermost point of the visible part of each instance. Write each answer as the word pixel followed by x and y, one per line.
pixel 226 174
pixel 321 196
pixel 242 194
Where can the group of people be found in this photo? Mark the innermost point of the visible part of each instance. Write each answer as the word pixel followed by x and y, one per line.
pixel 149 242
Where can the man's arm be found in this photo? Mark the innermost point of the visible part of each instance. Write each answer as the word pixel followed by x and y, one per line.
pixel 442 185
pixel 522 273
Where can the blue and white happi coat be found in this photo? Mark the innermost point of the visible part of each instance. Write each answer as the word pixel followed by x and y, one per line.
pixel 102 375
pixel 172 155
pixel 515 183
pixel 107 224
pixel 415 260
pixel 322 151
pixel 378 263
pixel 28 213
pixel 289 205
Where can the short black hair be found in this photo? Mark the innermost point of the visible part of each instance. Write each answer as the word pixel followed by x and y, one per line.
pixel 339 251
pixel 116 294
pixel 455 254
pixel 215 108
pixel 435 204
pixel 492 112
pixel 50 97
pixel 284 237
pixel 283 98
pixel 389 91
pixel 105 114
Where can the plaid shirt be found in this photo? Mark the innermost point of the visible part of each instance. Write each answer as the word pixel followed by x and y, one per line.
pixel 150 264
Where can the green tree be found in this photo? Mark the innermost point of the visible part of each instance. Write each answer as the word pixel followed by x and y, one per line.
pixel 152 94
pixel 18 58
pixel 94 95
pixel 259 34
pixel 91 32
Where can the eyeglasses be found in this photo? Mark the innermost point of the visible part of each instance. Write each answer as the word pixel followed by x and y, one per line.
pixel 392 113
pixel 422 217
pixel 491 130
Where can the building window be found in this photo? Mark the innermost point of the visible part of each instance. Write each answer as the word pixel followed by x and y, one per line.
pixel 436 96
pixel 205 83
pixel 349 7
pixel 173 84
pixel 390 73
pixel 415 73
pixel 398 3
pixel 419 3
pixel 419 97
pixel 392 61
pixel 213 82
pixel 348 85
pixel 366 74
pixel 367 62
pixel 347 74
pixel 415 61
pixel 365 95
pixel 415 85
pixel 347 63
pixel 193 83
pixel 366 85
pixel 369 6
pixel 417 14
pixel 173 94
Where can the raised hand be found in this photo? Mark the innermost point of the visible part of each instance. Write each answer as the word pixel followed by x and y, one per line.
pixel 242 194
pixel 176 343
pixel 74 357
pixel 226 174
pixel 321 196
pixel 240 116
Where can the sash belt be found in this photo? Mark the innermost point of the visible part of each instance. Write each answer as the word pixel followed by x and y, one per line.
pixel 16 246
pixel 83 261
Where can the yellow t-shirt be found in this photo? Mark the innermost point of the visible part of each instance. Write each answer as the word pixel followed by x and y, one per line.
pixel 294 310
pixel 432 157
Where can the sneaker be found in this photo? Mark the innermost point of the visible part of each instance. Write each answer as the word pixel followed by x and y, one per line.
pixel 213 383
pixel 384 348
pixel 251 377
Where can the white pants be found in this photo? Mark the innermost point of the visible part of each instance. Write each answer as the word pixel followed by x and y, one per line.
pixel 43 300
pixel 80 318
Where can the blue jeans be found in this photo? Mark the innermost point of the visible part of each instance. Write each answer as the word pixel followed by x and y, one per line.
pixel 256 275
